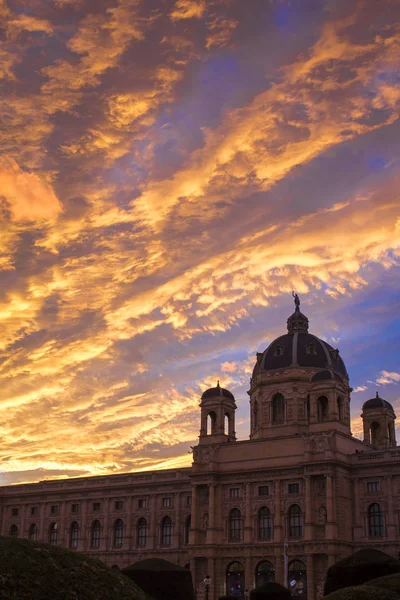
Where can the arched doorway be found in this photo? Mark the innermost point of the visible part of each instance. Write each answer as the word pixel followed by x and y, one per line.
pixel 235 580
pixel 297 579
pixel 265 573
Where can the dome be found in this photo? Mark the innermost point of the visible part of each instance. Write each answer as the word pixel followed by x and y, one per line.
pixel 217 391
pixel 300 348
pixel 377 402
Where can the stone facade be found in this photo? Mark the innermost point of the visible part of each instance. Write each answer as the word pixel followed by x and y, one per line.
pixel 288 502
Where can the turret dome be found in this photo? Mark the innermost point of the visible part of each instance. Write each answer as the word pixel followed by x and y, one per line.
pixel 377 402
pixel 299 348
pixel 217 391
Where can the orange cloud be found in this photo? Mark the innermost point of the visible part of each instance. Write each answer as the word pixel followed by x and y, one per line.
pixel 27 196
pixel 188 9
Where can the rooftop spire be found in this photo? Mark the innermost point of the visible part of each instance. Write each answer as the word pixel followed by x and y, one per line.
pixel 296 301
pixel 297 322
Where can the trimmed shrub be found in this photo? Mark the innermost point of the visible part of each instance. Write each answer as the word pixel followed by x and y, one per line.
pixel 389 582
pixel 270 591
pixel 362 592
pixel 360 567
pixel 162 579
pixel 35 571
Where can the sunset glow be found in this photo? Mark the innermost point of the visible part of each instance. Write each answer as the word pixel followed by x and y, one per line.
pixel 170 171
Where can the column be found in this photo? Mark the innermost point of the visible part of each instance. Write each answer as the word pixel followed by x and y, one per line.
pixel 357 527
pixel 211 514
pixel 153 524
pixel 248 574
pixel 310 577
pixel 193 526
pixel 177 528
pixel 390 519
pixel 308 529
pixel 83 531
pixel 22 523
pixel 42 513
pixel 129 535
pixel 330 529
pixel 64 528
pixel 211 574
pixel 248 529
pixel 277 518
pixel 107 542
pixel 193 572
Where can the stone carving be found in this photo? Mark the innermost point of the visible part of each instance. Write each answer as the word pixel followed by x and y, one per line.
pixel 318 442
pixel 203 455
pixel 322 516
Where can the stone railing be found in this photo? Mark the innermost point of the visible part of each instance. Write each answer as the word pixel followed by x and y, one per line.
pixel 377 455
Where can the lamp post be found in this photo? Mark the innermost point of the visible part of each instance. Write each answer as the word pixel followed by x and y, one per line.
pixel 207 583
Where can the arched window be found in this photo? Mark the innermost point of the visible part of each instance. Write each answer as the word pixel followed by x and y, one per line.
pixel 74 535
pixel 235 580
pixel 340 409
pixel 278 409
pixel 265 573
pixel 295 521
pixel 235 525
pixel 297 578
pixel 322 408
pixel 374 432
pixel 227 424
pixel 118 533
pixel 141 533
pixel 95 534
pixel 53 534
pixel 211 422
pixel 166 531
pixel 255 415
pixel 376 522
pixel 33 532
pixel 188 524
pixel 13 531
pixel 264 523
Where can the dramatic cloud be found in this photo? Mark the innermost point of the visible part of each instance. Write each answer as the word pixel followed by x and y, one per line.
pixel 169 173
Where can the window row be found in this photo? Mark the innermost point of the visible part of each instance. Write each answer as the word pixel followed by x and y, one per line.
pixel 54 509
pixel 264 573
pixel 278 409
pixel 118 530
pixel 265 524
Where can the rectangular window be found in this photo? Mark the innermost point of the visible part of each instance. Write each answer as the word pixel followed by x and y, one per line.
pixel 74 508
pixel 263 490
pixel 119 505
pixel 293 488
pixel 188 500
pixel 234 493
pixel 96 506
pixel 54 509
pixel 14 512
pixel 34 511
pixel 166 502
pixel 373 486
pixel 143 503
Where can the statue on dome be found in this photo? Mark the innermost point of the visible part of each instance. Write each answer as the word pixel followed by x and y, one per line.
pixel 296 300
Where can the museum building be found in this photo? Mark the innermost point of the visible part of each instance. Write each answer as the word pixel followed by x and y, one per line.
pixel 283 505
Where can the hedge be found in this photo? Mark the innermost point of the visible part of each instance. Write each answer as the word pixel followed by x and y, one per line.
pixel 35 571
pixel 161 579
pixel 360 567
pixel 362 592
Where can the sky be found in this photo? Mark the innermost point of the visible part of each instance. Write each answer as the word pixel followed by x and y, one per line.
pixel 170 170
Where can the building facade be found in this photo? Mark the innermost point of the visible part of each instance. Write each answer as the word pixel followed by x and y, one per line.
pixel 283 505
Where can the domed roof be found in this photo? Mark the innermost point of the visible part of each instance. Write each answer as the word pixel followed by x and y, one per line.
pixel 377 402
pixel 217 391
pixel 303 349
